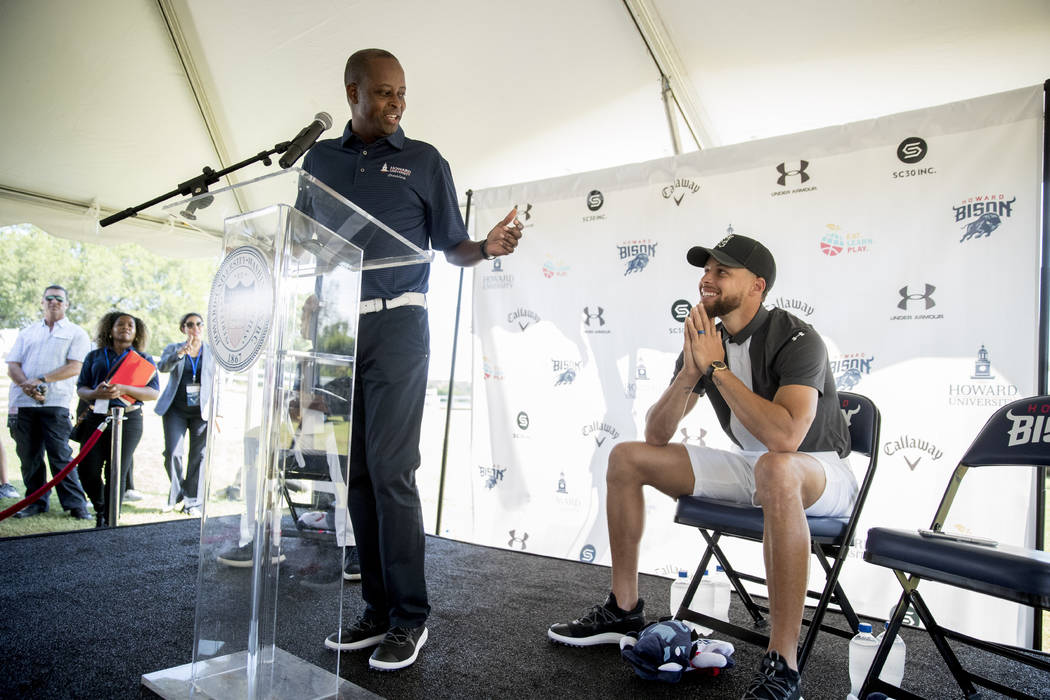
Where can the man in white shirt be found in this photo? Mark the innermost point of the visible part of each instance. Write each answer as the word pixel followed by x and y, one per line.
pixel 43 365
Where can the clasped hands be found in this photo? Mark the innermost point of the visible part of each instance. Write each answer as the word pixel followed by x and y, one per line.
pixel 703 342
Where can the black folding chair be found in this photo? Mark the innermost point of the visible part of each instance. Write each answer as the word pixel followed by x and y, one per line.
pixel 830 542
pixel 1017 435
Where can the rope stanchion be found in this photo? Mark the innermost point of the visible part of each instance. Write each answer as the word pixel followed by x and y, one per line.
pixel 62 474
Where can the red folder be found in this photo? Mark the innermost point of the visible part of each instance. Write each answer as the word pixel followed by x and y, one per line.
pixel 133 370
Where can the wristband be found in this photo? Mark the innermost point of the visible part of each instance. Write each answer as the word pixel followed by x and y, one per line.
pixel 484 250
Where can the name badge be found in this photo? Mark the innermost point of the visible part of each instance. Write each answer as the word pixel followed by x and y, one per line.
pixel 193 395
pixel 100 406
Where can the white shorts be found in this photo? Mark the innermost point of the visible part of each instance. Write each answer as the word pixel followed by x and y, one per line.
pixel 730 476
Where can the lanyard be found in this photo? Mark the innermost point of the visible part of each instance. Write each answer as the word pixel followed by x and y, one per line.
pixel 193 364
pixel 106 355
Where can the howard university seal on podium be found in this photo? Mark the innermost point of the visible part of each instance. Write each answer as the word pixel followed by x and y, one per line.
pixel 240 308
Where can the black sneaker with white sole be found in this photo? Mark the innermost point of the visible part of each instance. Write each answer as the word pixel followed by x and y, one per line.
pixel 241 557
pixel 362 634
pixel 352 571
pixel 399 648
pixel 774 680
pixel 602 624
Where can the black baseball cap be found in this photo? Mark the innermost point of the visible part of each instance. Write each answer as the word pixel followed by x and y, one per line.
pixel 738 251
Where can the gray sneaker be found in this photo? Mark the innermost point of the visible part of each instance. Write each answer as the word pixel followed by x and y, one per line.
pixel 8 491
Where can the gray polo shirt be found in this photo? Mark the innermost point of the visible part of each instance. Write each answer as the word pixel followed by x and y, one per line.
pixel 783 350
pixel 41 350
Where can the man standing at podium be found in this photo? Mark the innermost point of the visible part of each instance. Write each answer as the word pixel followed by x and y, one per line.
pixel 407 185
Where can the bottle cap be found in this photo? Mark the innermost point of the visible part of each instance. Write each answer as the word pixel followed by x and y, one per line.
pixel 682 573
pixel 864 627
pixel 719 568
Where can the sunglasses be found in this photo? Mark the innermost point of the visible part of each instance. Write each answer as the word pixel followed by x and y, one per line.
pixel 196 324
pixel 54 297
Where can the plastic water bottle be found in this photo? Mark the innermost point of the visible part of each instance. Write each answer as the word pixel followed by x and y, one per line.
pixel 721 588
pixel 862 650
pixel 678 589
pixel 893 669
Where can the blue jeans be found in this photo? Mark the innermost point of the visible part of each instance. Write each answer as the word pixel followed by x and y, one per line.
pixel 41 430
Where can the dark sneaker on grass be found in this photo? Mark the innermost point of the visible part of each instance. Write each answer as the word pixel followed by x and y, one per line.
pixel 774 680
pixel 352 572
pixel 362 634
pixel 399 648
pixel 602 624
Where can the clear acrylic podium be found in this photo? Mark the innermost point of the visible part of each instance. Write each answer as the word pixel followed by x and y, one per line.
pixel 282 322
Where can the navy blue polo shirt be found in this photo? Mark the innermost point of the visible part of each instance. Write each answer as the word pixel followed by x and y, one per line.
pixel 100 362
pixel 404 183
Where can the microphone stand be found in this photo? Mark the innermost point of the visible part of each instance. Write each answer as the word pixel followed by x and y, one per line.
pixel 199 184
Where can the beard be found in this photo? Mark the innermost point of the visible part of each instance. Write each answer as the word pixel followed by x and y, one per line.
pixel 722 306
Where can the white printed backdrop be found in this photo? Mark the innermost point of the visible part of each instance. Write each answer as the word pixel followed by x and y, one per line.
pixel 910 242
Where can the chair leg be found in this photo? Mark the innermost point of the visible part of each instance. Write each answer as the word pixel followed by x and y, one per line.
pixel 749 604
pixel 935 632
pixel 872 682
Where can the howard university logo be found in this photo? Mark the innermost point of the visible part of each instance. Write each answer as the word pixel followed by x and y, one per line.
pixel 800 172
pixel 989 210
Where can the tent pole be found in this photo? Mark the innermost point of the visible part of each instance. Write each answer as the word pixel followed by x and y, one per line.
pixel 451 384
pixel 1044 349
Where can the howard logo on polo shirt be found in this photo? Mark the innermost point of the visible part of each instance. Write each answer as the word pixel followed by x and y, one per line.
pixel 395 171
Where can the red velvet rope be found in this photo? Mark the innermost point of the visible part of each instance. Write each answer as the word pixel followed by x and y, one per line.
pixel 61 475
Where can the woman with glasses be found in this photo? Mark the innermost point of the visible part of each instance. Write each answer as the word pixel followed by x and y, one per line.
pixel 184 407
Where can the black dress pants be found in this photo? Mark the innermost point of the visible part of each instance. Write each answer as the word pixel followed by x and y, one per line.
pixel 389 392
pixel 40 431
pixel 96 463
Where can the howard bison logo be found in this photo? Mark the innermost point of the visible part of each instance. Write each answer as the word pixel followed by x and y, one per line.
pixel 637 264
pixel 847 380
pixel 566 377
pixel 985 224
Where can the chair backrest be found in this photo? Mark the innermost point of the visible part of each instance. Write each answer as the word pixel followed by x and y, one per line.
pixel 863 421
pixel 1017 434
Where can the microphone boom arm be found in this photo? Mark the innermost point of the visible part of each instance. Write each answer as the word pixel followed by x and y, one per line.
pixel 199 184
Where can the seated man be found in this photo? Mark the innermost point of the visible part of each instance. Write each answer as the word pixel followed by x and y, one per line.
pixel 766 374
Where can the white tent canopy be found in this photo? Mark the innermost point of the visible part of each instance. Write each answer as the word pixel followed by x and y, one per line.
pixel 113 102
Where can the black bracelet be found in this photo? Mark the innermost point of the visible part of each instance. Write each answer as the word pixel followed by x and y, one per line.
pixel 484 250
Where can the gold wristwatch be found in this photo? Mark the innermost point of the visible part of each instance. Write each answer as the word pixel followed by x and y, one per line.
pixel 716 366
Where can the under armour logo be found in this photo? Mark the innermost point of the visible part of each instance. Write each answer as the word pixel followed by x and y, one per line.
pixel 526 214
pixel 908 297
pixel 590 316
pixel 517 542
pixel 785 173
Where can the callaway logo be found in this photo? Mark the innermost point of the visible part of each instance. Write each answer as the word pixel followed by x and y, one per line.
pixel 1029 429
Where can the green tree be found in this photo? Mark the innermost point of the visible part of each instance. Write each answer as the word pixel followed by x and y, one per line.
pixel 98 278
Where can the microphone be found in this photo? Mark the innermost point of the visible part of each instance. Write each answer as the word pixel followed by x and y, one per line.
pixel 305 138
